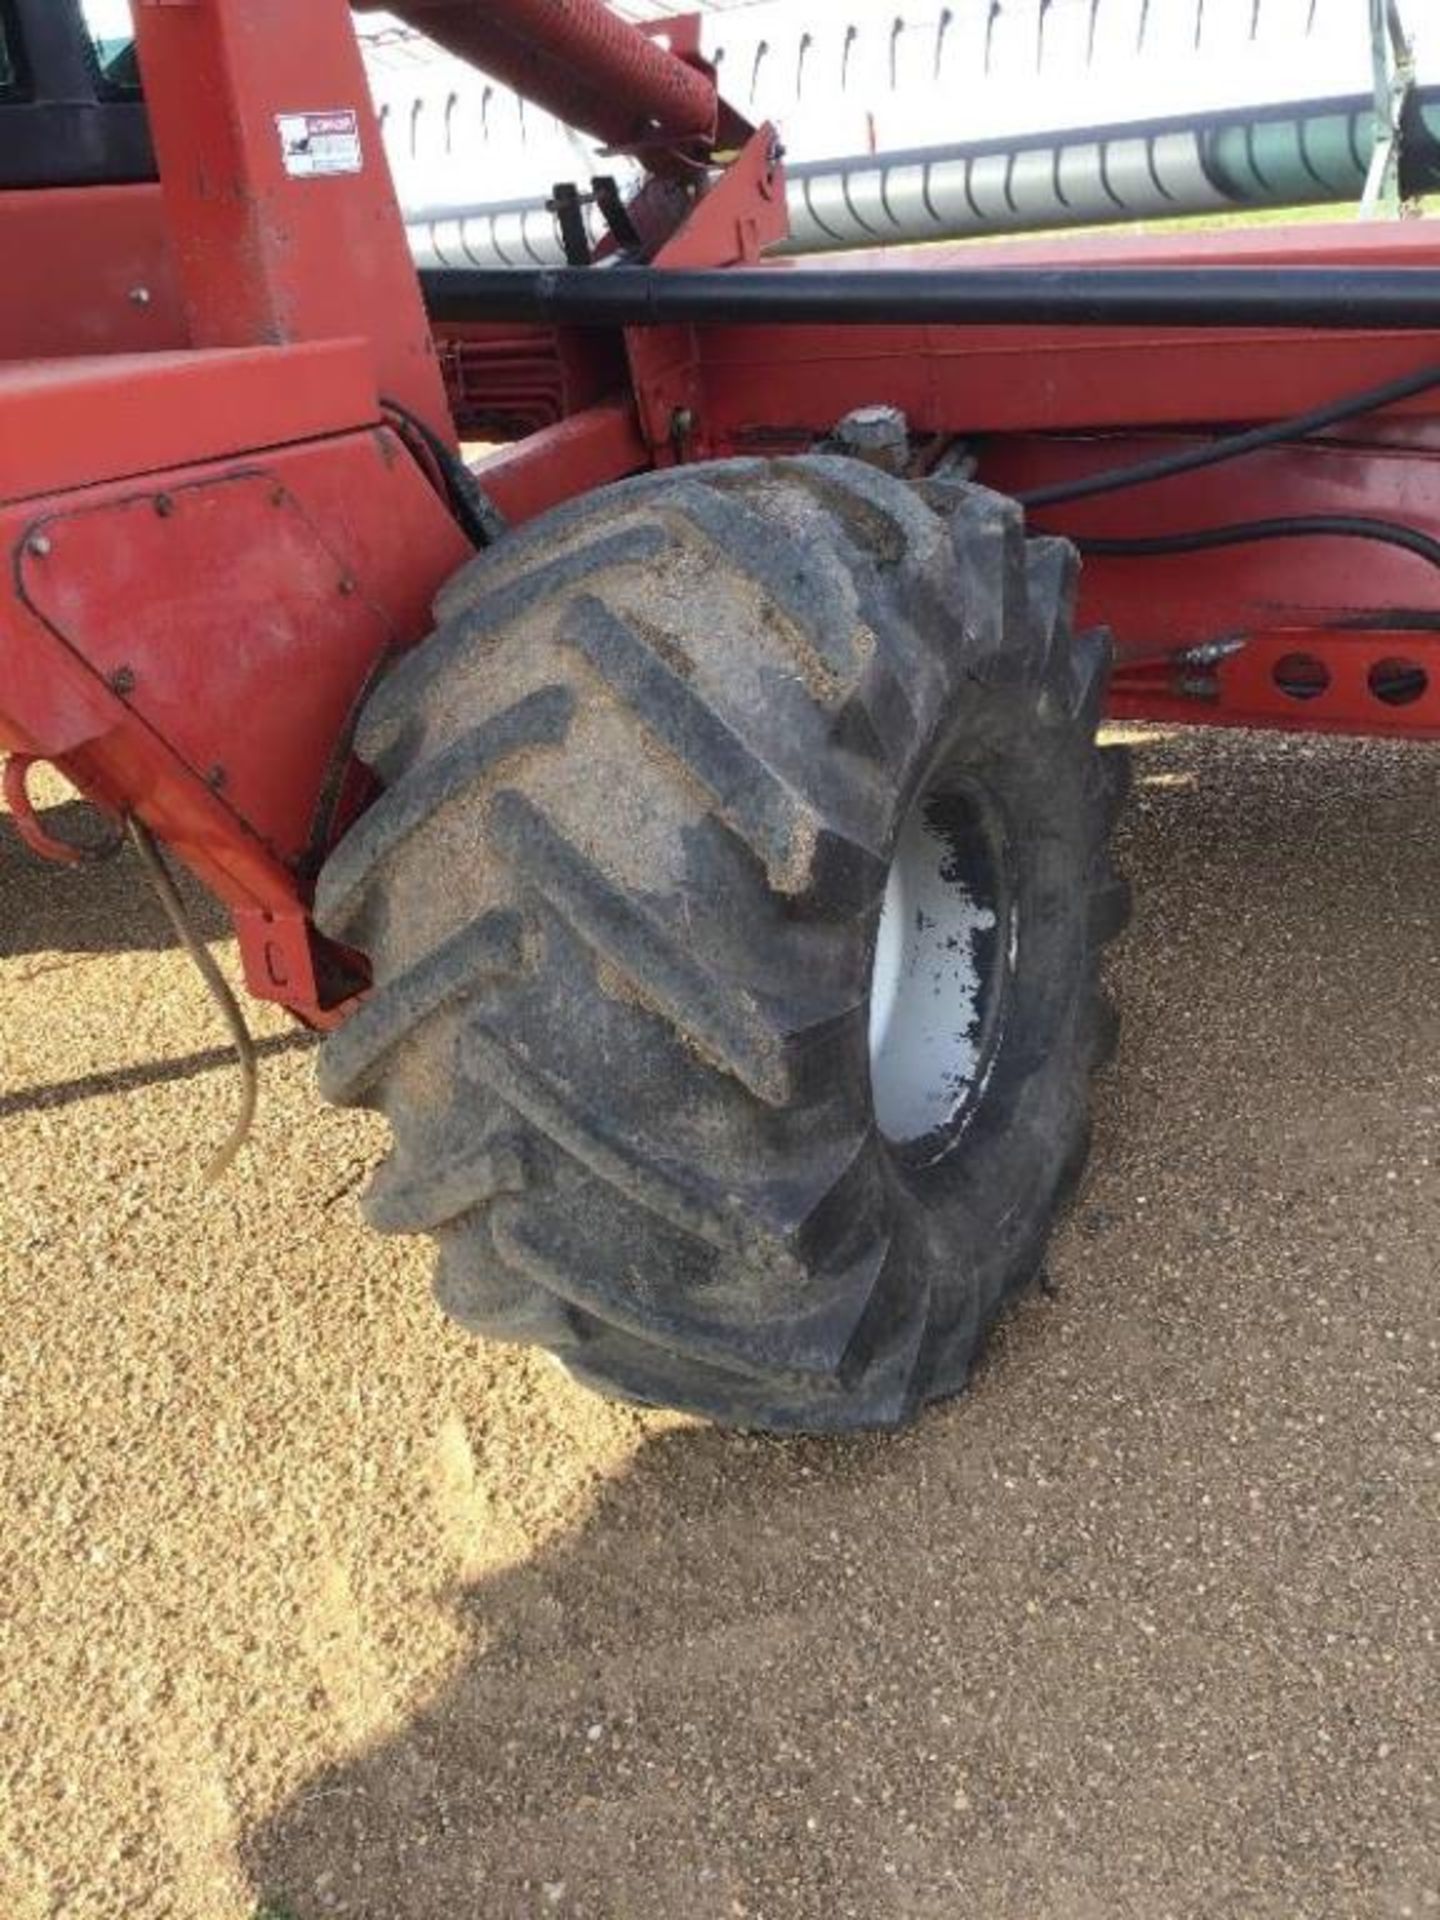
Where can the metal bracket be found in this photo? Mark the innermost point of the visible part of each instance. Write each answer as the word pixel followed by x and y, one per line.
pixel 36 836
pixel 1393 62
pixel 567 204
pixel 616 215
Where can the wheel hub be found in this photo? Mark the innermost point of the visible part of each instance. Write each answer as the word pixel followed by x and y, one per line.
pixel 943 954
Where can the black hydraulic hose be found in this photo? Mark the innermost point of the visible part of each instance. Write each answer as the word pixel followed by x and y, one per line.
pixel 1339 526
pixel 479 518
pixel 1296 527
pixel 1331 298
pixel 1298 426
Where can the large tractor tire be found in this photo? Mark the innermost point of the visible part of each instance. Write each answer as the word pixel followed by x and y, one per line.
pixel 736 903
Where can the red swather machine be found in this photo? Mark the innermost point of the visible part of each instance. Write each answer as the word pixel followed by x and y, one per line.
pixel 688 826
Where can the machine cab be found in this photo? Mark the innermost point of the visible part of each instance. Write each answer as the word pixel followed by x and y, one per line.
pixel 70 112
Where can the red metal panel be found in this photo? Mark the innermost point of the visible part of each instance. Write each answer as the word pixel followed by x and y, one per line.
pixel 785 386
pixel 286 227
pixel 74 423
pixel 782 385
pixel 1344 608
pixel 242 659
pixel 224 582
pixel 587 451
pixel 1376 683
pixel 98 274
pixel 1379 682
pixel 1309 583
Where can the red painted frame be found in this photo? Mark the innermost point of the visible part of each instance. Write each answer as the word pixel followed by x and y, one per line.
pixel 278 309
pixel 213 717
pixel 1040 405
pixel 102 277
pixel 218 351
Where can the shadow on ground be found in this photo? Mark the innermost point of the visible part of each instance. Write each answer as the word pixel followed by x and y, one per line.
pixel 96 908
pixel 60 915
pixel 1146 1624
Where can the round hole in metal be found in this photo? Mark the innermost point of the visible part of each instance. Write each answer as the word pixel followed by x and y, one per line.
pixel 1399 683
pixel 1303 676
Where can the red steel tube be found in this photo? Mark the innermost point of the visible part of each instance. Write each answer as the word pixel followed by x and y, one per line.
pixel 580 62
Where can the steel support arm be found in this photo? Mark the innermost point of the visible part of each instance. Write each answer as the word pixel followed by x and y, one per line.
pixel 580 62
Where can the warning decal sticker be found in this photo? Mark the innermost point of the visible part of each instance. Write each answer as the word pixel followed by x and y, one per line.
pixel 317 144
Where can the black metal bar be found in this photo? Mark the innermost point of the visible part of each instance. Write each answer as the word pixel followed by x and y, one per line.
pixel 1340 298
pixel 569 215
pixel 615 214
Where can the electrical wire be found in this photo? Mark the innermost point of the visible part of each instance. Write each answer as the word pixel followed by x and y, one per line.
pixel 166 891
pixel 1234 446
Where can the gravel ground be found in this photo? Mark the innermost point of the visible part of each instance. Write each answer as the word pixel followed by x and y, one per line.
pixel 310 1606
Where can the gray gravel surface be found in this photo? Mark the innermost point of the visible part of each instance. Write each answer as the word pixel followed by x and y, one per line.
pixel 307 1600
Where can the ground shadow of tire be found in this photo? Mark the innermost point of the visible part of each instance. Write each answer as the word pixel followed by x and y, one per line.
pixel 985 1669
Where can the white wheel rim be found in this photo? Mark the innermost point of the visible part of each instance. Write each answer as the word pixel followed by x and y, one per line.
pixel 937 973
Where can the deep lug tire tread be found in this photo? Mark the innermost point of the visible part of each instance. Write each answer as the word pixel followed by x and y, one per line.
pixel 619 896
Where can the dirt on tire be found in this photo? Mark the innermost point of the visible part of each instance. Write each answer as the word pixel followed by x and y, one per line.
pixel 644 793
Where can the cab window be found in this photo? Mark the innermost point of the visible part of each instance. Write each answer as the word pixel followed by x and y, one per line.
pixel 9 65
pixel 112 39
